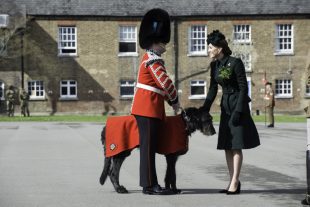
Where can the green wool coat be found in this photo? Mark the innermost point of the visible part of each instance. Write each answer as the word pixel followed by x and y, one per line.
pixel 230 74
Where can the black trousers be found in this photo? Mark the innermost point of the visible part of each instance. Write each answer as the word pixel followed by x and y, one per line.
pixel 148 132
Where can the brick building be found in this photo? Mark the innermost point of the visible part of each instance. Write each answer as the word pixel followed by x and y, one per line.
pixel 82 56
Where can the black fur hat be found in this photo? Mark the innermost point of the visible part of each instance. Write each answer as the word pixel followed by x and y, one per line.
pixel 154 28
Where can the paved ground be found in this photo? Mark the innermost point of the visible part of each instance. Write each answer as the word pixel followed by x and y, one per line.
pixel 56 164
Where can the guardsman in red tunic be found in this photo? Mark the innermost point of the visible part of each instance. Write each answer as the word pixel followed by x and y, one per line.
pixel 153 87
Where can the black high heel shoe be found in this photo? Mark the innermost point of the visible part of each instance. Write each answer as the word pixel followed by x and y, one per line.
pixel 235 192
pixel 223 191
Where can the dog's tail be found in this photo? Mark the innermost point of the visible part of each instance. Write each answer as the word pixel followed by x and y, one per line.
pixel 107 161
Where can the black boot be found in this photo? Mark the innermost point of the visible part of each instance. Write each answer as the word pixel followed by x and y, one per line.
pixel 156 190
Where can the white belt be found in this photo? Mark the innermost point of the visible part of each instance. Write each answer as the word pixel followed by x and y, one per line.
pixel 150 88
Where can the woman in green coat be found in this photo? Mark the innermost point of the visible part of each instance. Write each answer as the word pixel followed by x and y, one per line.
pixel 237 130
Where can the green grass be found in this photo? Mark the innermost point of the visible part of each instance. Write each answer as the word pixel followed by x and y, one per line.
pixel 55 118
pixel 102 119
pixel 278 118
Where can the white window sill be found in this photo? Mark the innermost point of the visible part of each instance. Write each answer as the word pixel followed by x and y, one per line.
pixel 307 96
pixel 284 97
pixel 2 99
pixel 197 55
pixel 283 53
pixel 129 54
pixel 246 42
pixel 68 99
pixel 67 55
pixel 37 98
pixel 126 97
pixel 197 97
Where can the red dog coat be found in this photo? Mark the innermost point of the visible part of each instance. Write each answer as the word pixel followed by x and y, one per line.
pixel 122 134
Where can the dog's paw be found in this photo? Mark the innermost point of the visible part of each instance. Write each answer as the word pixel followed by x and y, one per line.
pixel 121 189
pixel 101 181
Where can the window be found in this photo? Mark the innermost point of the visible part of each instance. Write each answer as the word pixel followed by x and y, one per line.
pixel 68 89
pixel 1 90
pixel 284 39
pixel 4 20
pixel 246 59
pixel 127 88
pixel 36 89
pixel 284 88
pixel 67 41
pixel 197 40
pixel 198 89
pixel 307 90
pixel 128 40
pixel 242 33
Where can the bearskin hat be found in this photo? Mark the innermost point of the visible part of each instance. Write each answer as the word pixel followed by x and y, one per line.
pixel 154 28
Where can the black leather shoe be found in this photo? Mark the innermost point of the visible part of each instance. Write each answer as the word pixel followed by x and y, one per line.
pixel 270 126
pixel 156 190
pixel 235 192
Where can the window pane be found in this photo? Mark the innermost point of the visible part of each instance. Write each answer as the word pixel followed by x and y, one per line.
pixel 127 91
pixel 197 39
pixel 1 90
pixel 197 90
pixel 67 40
pixel 64 91
pixel 72 91
pixel 127 47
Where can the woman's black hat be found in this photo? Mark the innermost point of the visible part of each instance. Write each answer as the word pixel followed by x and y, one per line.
pixel 215 38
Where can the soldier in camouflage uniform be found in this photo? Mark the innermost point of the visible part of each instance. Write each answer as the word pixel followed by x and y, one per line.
pixel 24 102
pixel 306 201
pixel 269 98
pixel 10 97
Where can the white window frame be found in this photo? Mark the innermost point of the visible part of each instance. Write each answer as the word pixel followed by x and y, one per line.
pixel 197 35
pixel 281 87
pixel 2 88
pixel 198 83
pixel 243 32
pixel 67 40
pixel 126 83
pixel 4 20
pixel 282 34
pixel 68 85
pixel 33 90
pixel 246 59
pixel 128 37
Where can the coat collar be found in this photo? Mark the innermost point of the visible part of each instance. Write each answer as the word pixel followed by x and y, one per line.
pixel 223 61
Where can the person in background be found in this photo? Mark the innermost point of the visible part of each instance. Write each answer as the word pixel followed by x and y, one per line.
pixel 10 97
pixel 269 97
pixel 24 102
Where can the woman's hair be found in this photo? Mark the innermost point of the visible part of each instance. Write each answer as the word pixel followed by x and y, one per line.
pixel 217 39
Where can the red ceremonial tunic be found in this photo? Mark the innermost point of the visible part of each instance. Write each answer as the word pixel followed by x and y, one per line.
pixel 122 134
pixel 153 87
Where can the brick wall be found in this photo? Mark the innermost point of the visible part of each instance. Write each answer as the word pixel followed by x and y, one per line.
pixel 98 68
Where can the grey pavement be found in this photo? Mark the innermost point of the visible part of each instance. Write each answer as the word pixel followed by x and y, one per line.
pixel 59 164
